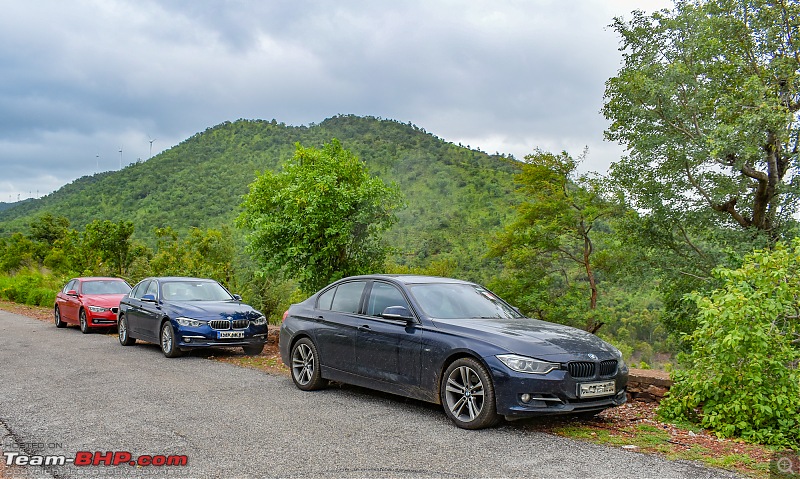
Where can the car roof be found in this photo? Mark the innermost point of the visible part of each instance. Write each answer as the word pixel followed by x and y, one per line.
pixel 98 278
pixel 413 278
pixel 167 279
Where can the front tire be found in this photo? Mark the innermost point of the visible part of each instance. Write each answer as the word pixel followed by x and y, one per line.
pixel 169 345
pixel 305 366
pixel 253 350
pixel 83 322
pixel 57 318
pixel 125 338
pixel 467 395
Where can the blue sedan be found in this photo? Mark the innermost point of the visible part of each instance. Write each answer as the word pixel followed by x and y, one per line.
pixel 448 342
pixel 183 313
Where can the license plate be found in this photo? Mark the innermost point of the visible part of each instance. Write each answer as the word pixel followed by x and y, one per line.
pixel 230 334
pixel 588 390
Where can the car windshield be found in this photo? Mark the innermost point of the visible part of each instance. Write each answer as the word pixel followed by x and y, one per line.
pixel 105 287
pixel 457 300
pixel 194 291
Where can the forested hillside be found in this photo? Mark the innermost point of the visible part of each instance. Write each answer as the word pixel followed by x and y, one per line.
pixel 455 196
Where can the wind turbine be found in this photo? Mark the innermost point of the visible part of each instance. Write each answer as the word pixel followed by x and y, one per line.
pixel 151 145
pixel 120 157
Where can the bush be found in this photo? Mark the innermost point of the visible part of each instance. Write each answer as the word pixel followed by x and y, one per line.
pixel 741 377
pixel 30 287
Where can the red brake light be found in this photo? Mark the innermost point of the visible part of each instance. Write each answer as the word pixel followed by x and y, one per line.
pixel 286 313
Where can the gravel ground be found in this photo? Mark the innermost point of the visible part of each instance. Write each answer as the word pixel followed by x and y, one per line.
pixel 65 392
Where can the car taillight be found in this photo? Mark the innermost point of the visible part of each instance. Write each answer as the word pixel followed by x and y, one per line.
pixel 286 313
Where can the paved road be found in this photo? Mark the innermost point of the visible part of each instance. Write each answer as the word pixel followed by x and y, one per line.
pixel 62 392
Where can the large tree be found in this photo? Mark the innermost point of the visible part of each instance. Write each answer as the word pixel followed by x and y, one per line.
pixel 549 246
pixel 706 103
pixel 319 219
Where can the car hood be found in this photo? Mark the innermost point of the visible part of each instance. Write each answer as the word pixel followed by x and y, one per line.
pixel 103 300
pixel 211 309
pixel 531 337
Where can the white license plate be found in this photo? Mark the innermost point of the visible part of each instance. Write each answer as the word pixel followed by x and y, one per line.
pixel 589 390
pixel 230 334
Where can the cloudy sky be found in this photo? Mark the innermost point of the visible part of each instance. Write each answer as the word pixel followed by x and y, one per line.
pixel 82 80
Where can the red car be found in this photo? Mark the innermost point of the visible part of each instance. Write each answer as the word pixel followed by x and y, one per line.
pixel 91 302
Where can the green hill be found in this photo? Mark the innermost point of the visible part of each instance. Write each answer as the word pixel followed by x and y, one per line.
pixel 455 196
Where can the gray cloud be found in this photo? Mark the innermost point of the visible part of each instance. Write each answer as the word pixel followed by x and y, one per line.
pixel 82 79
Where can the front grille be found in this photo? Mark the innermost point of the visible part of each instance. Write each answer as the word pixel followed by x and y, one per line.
pixel 581 369
pixel 608 367
pixel 241 323
pixel 220 324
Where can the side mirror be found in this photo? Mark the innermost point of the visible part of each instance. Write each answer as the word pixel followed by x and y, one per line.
pixel 397 312
pixel 237 297
pixel 149 298
pixel 72 292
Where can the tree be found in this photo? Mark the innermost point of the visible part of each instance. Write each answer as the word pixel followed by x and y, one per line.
pixel 553 233
pixel 741 376
pixel 706 103
pixel 110 243
pixel 319 219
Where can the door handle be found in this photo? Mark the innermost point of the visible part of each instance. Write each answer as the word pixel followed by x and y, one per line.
pixel 364 327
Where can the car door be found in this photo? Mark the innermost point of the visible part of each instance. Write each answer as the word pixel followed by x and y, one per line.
pixel 132 306
pixel 338 319
pixel 149 313
pixel 68 304
pixel 388 350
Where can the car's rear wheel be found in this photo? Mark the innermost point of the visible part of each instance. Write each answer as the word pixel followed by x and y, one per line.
pixel 253 350
pixel 83 322
pixel 57 318
pixel 168 344
pixel 125 338
pixel 467 395
pixel 305 366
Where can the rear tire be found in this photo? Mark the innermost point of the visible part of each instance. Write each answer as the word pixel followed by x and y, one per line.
pixel 305 366
pixel 57 318
pixel 125 338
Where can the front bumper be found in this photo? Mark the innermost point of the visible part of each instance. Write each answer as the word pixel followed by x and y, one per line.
pixel 206 337
pixel 105 319
pixel 553 393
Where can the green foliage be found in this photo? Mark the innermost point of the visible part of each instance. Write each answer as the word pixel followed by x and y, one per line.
pixel 321 218
pixel 741 377
pixel 111 243
pixel 30 287
pixel 548 248
pixel 204 254
pixel 707 103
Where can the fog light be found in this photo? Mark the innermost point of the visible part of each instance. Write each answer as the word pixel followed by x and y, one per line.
pixel 188 340
pixel 526 398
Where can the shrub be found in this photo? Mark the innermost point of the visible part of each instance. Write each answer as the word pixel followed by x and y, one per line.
pixel 741 377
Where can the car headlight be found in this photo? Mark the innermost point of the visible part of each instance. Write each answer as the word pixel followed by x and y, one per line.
pixel 525 364
pixel 189 322
pixel 98 309
pixel 260 321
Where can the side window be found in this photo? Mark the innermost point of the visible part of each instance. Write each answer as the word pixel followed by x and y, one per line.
pixel 152 288
pixel 325 299
pixel 382 296
pixel 348 296
pixel 139 290
pixel 70 285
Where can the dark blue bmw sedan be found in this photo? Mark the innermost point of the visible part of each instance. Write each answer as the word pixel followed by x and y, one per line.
pixel 449 342
pixel 182 313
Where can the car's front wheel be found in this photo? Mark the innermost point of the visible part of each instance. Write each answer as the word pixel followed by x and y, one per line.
pixel 253 349
pixel 125 338
pixel 168 344
pixel 305 366
pixel 83 321
pixel 57 318
pixel 467 395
